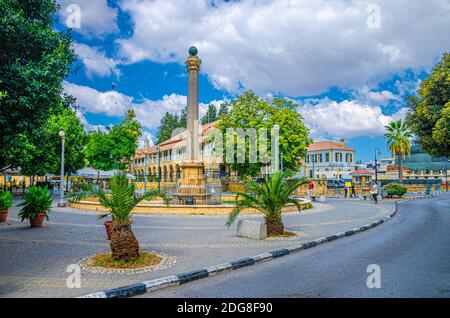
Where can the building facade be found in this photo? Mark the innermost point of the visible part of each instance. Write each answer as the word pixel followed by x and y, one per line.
pixel 331 160
pixel 165 160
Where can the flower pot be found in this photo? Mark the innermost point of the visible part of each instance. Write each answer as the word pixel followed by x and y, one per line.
pixel 3 215
pixel 108 226
pixel 38 221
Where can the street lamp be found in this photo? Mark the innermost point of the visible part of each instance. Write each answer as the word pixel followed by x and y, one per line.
pixel 61 202
pixel 159 169
pixel 145 171
pixel 376 165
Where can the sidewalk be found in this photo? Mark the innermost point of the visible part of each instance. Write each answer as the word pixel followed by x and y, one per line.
pixel 33 262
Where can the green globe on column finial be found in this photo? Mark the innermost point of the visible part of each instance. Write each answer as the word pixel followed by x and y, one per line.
pixel 193 51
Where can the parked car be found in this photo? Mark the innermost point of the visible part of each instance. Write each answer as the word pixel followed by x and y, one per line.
pixel 336 183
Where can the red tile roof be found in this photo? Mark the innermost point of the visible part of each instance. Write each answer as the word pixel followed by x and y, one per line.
pixel 176 141
pixel 326 145
pixel 363 172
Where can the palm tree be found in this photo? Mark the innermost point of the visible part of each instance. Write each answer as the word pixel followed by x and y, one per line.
pixel 121 200
pixel 268 198
pixel 397 138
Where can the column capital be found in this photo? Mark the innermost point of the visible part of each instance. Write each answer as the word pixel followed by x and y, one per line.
pixel 193 63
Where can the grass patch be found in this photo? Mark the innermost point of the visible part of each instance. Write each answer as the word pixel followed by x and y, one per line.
pixel 285 234
pixel 145 259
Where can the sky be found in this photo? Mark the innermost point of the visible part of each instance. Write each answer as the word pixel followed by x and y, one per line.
pixel 350 65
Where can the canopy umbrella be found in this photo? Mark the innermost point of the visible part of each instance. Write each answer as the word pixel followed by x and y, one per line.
pixel 89 173
pixel 111 173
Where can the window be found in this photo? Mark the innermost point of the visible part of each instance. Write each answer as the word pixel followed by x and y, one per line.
pixel 327 157
pixel 338 157
pixel 320 158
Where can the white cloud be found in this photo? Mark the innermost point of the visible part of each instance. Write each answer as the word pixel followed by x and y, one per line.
pixel 112 103
pixel 97 18
pixel 329 119
pixel 292 47
pixel 88 126
pixel 95 61
pixel 146 136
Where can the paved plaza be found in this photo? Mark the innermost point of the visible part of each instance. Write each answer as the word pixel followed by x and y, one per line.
pixel 33 262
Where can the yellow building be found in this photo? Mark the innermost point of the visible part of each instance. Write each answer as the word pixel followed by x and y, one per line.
pixel 169 156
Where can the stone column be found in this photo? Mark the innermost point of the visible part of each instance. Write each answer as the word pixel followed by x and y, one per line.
pixel 192 167
pixel 193 67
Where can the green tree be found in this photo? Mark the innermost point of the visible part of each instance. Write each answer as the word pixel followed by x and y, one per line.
pixel 114 148
pixel 169 123
pixel 210 116
pixel 251 111
pixel 429 115
pixel 268 198
pixel 397 137
pixel 223 110
pixel 75 141
pixel 35 58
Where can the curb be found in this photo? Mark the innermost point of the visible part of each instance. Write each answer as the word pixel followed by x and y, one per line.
pixel 183 278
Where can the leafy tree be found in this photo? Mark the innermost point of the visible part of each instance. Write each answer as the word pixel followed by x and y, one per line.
pixel 169 123
pixel 113 149
pixel 397 138
pixel 429 114
pixel 35 58
pixel 223 110
pixel 75 141
pixel 210 116
pixel 251 111
pixel 268 198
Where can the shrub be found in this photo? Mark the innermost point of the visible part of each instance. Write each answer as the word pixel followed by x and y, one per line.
pixel 36 200
pixel 395 189
pixel 6 200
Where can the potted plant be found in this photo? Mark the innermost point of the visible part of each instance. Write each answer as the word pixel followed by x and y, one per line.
pixel 121 200
pixel 36 206
pixel 6 201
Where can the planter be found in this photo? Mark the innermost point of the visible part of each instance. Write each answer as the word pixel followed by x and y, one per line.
pixel 38 221
pixel 3 215
pixel 108 227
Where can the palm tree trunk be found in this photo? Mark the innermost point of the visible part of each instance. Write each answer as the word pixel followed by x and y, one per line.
pixel 274 226
pixel 400 168
pixel 124 244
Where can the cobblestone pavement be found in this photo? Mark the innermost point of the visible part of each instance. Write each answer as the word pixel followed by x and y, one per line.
pixel 33 262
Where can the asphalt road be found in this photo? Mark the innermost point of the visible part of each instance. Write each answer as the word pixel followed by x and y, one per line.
pixel 412 251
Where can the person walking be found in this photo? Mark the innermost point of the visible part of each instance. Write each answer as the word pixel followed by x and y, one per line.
pixel 353 193
pixel 345 191
pixel 374 192
pixel 310 188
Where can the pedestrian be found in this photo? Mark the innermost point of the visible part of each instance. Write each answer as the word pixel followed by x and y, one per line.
pixel 353 194
pixel 446 186
pixel 374 192
pixel 345 191
pixel 310 188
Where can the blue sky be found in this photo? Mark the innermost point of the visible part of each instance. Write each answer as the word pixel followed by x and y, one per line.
pixel 349 64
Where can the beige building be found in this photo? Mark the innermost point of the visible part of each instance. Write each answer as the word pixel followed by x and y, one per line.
pixel 169 156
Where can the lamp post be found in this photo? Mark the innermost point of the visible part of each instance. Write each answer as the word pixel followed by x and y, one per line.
pixel 376 164
pixel 145 171
pixel 159 169
pixel 446 174
pixel 61 202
